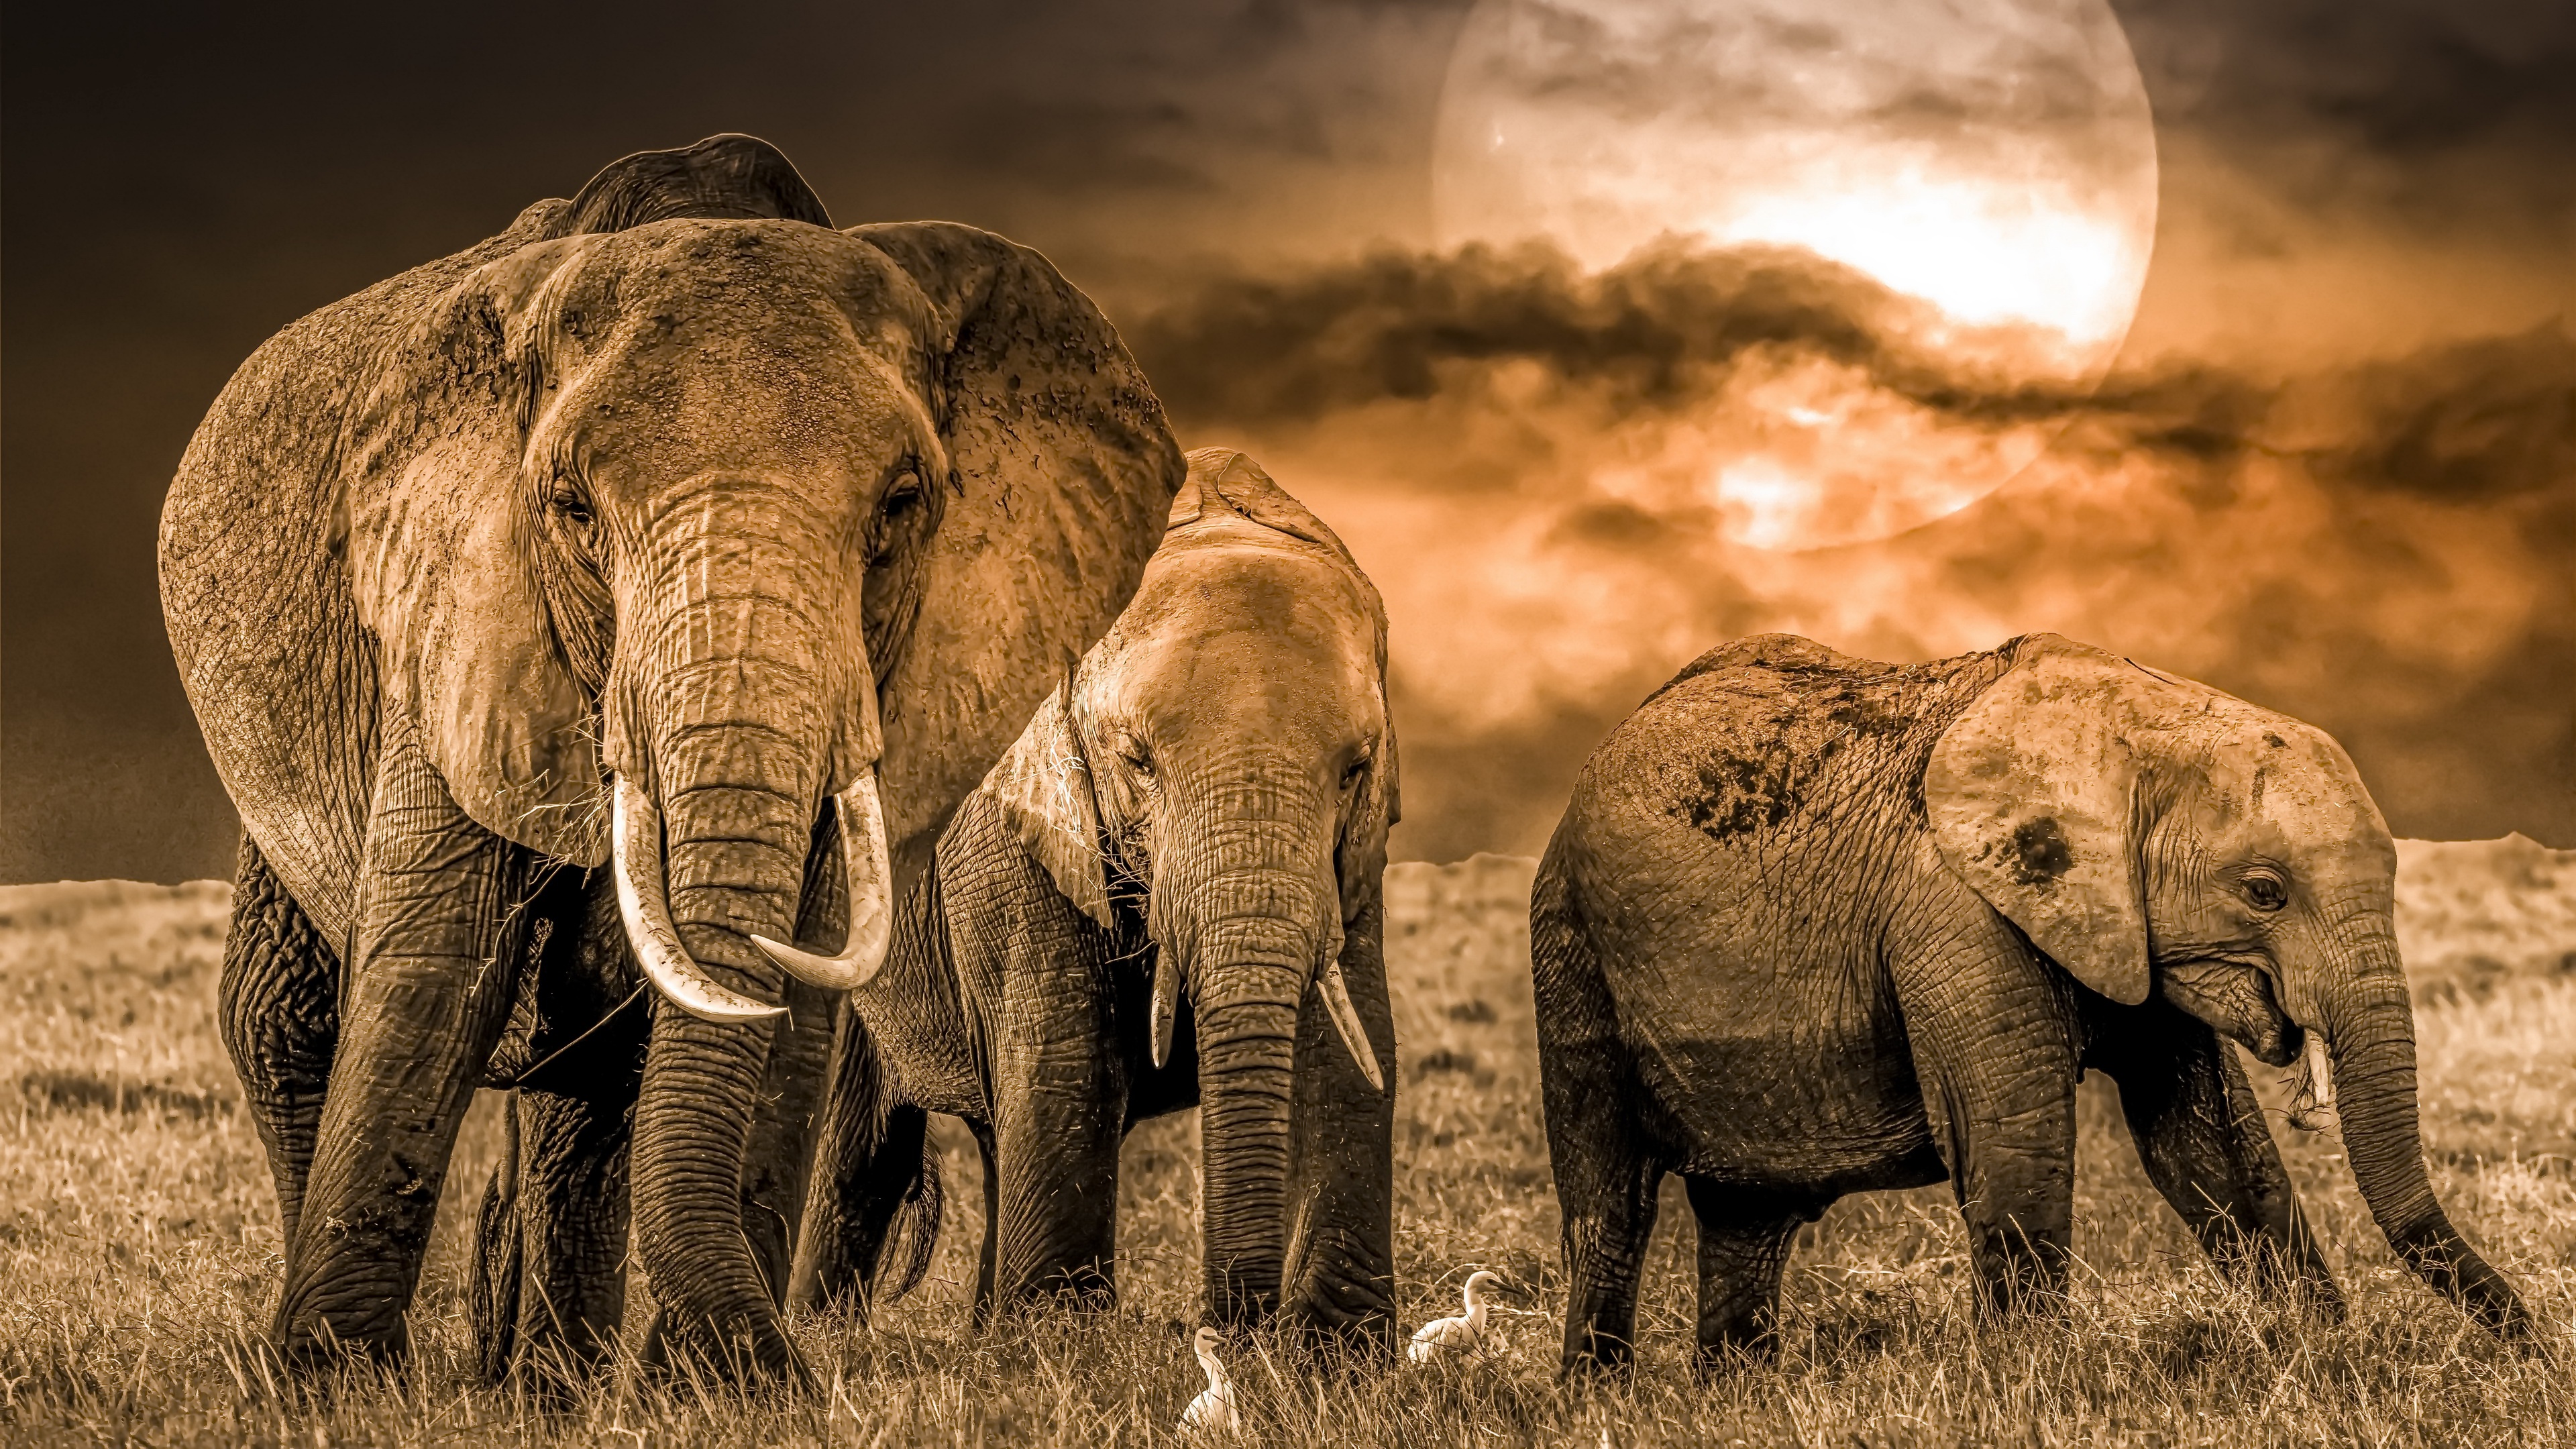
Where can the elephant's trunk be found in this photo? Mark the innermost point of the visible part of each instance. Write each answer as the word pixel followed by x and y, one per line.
pixel 1247 911
pixel 733 689
pixel 2370 1034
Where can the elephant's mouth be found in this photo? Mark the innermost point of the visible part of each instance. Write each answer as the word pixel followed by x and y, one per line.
pixel 646 911
pixel 2238 1000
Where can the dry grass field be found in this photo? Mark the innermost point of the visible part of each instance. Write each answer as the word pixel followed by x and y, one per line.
pixel 138 1245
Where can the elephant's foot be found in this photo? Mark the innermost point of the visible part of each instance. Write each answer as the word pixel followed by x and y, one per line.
pixel 2291 1275
pixel 314 1343
pixel 1596 1353
pixel 750 1354
pixel 1344 1313
pixel 2018 1274
pixel 1085 1288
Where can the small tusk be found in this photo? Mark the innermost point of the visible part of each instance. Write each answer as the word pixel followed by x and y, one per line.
pixel 643 903
pixel 2318 1089
pixel 1346 1020
pixel 1167 1005
pixel 861 818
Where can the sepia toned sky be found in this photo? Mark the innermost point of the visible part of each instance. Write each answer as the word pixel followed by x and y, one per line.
pixel 2332 469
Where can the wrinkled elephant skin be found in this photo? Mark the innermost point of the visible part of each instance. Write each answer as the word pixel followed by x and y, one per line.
pixel 1798 895
pixel 673 515
pixel 1167 893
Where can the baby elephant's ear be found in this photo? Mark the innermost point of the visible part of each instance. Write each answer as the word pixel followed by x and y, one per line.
pixel 1359 860
pixel 2030 799
pixel 1043 785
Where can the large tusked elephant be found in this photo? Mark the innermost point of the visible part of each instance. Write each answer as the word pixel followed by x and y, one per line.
pixel 1798 894
pixel 669 531
pixel 1167 893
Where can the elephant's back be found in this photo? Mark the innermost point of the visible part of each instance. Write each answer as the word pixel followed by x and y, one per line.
pixel 1729 848
pixel 1767 746
pixel 258 606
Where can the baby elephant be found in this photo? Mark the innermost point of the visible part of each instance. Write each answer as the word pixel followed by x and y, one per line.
pixel 1799 894
pixel 1166 894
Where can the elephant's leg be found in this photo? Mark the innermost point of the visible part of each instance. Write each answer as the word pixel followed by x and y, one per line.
pixel 438 952
pixel 1744 1236
pixel 2201 1136
pixel 1059 1107
pixel 1607 1173
pixel 1607 1181
pixel 992 1225
pixel 1993 1032
pixel 874 1160
pixel 1608 1208
pixel 570 1231
pixel 779 1159
pixel 492 1300
pixel 1059 1112
pixel 550 1245
pixel 780 1156
pixel 1340 1272
pixel 280 1006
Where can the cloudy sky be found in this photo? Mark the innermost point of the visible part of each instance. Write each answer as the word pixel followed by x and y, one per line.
pixel 2333 468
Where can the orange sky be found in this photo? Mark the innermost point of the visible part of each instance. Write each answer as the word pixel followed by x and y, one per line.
pixel 2335 470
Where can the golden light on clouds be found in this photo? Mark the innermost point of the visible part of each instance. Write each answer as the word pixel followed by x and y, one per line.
pixel 1993 159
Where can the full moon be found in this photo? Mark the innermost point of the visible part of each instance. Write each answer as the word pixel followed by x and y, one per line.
pixel 1992 158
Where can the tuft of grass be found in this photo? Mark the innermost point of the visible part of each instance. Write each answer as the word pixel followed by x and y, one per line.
pixel 139 1260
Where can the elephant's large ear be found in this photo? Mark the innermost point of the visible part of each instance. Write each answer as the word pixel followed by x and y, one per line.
pixel 1359 861
pixel 2033 800
pixel 1062 470
pixel 440 565
pixel 1043 785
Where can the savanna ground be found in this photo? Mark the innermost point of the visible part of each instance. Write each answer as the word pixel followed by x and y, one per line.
pixel 139 1246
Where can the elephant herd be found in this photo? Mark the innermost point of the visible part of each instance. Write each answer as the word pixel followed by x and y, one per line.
pixel 746 686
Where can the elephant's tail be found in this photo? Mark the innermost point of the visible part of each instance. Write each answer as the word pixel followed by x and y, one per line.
pixel 912 1239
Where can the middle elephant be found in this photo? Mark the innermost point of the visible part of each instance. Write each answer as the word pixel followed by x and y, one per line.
pixel 1166 894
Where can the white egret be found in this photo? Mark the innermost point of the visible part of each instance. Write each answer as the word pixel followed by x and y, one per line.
pixel 1212 1412
pixel 1465 1333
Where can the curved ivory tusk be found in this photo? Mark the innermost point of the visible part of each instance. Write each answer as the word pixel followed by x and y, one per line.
pixel 643 903
pixel 1167 1005
pixel 1346 1020
pixel 871 874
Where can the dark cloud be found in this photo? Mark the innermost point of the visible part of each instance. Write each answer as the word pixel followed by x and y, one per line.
pixel 182 181
pixel 1267 350
pixel 2382 549
pixel 2465 106
pixel 2500 425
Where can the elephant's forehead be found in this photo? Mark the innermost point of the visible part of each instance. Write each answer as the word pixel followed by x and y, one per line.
pixel 701 271
pixel 1250 585
pixel 2290 789
pixel 1216 628
pixel 779 337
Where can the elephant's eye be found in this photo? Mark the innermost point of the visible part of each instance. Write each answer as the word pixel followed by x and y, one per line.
pixel 568 503
pixel 902 499
pixel 1137 757
pixel 2264 893
pixel 1357 767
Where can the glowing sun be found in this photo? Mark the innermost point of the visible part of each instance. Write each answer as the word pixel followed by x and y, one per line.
pixel 1994 158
